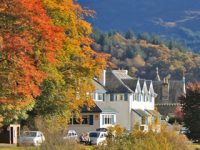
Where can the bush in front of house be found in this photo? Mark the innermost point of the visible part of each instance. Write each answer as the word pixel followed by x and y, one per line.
pixel 137 140
pixel 54 130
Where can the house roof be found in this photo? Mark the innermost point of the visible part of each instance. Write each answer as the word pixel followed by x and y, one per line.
pixel 140 112
pixel 175 90
pixel 98 86
pixel 105 108
pixel 153 112
pixel 114 82
pixel 121 74
pixel 100 107
pixel 94 109
pixel 131 83
pixel 148 83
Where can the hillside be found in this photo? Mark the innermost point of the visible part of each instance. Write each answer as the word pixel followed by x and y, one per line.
pixel 179 19
pixel 141 56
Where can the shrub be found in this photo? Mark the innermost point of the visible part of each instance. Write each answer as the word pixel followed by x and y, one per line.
pixel 54 129
pixel 138 140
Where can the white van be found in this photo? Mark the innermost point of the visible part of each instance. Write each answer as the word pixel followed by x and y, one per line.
pixel 97 137
pixel 35 138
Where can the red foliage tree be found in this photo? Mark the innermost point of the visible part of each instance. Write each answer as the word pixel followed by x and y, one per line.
pixel 28 41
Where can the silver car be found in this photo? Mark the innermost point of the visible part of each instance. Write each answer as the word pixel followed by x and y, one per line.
pixel 71 135
pixel 35 138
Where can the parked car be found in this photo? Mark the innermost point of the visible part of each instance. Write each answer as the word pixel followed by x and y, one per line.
pixel 102 129
pixel 35 138
pixel 71 135
pixel 97 137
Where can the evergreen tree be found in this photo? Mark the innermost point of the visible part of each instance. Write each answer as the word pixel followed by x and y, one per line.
pixel 191 110
pixel 129 34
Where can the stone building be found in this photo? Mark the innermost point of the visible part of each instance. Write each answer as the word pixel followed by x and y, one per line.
pixel 168 92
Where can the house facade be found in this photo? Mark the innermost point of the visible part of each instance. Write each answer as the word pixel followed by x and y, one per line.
pixel 120 99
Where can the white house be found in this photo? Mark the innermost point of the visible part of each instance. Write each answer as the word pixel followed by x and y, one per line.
pixel 120 99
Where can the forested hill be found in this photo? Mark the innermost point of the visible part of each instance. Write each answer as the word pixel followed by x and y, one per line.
pixel 141 55
pixel 179 19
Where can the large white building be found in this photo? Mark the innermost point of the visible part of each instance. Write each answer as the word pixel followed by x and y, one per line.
pixel 120 99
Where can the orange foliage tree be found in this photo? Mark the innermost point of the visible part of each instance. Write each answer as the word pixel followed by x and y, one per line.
pixel 77 62
pixel 28 41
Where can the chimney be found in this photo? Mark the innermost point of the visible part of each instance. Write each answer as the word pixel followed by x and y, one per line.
pixel 102 78
pixel 165 89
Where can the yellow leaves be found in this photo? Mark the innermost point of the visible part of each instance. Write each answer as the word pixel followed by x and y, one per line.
pixel 1 120
pixel 84 27
pixel 116 130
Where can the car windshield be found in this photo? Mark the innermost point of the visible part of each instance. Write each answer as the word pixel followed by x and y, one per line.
pixel 94 134
pixel 29 134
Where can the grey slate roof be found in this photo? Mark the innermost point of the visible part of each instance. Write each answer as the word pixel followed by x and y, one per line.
pixel 148 83
pixel 105 108
pixel 94 109
pixel 121 74
pixel 140 112
pixel 100 107
pixel 98 86
pixel 175 91
pixel 153 113
pixel 157 85
pixel 114 83
pixel 131 83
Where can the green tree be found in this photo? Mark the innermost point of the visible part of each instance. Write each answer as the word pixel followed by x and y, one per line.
pixel 129 34
pixel 191 110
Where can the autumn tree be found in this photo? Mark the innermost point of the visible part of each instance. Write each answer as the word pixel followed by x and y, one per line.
pixel 191 110
pixel 29 41
pixel 69 83
pixel 178 114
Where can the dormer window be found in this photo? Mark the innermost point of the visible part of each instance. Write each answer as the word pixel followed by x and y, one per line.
pixel 119 97
pixel 134 97
pixel 145 98
pixel 100 97
pixel 138 97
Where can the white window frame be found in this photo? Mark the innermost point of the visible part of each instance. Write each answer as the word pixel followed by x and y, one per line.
pixel 108 119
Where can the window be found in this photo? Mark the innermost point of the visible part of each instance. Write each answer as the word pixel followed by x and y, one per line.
pixel 74 120
pixel 138 97
pixel 100 97
pixel 108 119
pixel 145 98
pixel 85 119
pixel 119 97
pixel 135 97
